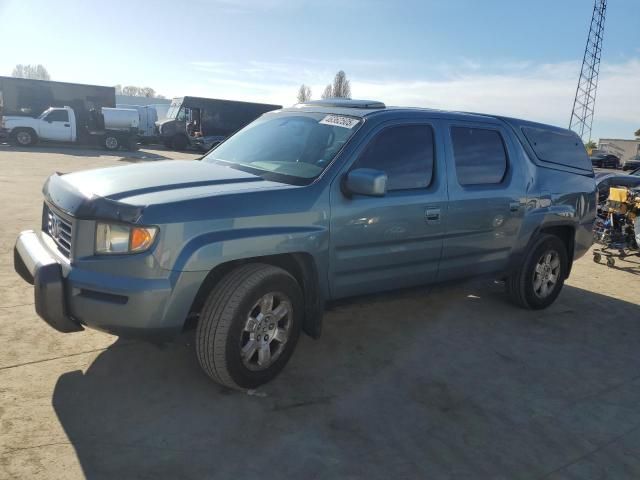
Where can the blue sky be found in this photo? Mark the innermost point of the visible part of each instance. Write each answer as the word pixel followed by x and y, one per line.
pixel 518 58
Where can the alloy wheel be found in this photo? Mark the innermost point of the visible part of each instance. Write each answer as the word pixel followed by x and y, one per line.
pixel 546 273
pixel 266 331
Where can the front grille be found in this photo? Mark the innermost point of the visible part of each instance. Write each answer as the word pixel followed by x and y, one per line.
pixel 60 229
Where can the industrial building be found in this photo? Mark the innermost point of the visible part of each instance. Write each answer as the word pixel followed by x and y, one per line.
pixel 624 149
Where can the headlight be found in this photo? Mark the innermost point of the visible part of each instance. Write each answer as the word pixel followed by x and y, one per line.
pixel 119 238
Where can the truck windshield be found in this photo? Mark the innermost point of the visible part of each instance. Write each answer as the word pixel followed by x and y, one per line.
pixel 172 113
pixel 287 146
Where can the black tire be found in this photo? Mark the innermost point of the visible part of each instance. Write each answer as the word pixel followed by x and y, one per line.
pixel 221 327
pixel 179 142
pixel 520 285
pixel 24 137
pixel 111 142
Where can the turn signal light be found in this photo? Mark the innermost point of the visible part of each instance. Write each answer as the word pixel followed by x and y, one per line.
pixel 141 238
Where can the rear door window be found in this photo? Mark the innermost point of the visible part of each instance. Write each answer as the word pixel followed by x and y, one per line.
pixel 405 153
pixel 480 155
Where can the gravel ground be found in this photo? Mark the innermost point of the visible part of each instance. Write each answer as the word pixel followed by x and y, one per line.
pixel 443 382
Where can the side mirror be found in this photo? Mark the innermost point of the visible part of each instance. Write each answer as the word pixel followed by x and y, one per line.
pixel 366 181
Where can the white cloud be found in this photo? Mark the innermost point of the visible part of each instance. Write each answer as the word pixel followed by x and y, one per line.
pixel 542 92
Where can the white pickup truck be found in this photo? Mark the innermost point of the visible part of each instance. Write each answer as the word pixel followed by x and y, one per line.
pixel 111 127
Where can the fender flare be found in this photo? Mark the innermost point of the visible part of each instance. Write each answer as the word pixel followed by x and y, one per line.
pixel 558 228
pixel 301 263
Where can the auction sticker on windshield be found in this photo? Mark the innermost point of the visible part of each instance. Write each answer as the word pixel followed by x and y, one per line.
pixel 339 121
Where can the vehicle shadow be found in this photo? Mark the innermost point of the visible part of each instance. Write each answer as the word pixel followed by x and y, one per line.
pixel 85 151
pixel 628 263
pixel 424 383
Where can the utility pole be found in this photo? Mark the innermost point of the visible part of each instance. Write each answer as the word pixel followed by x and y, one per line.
pixel 585 100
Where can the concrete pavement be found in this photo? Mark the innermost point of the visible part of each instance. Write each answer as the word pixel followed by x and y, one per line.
pixel 443 382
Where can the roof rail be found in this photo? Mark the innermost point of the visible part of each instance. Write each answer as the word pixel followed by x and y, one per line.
pixel 343 103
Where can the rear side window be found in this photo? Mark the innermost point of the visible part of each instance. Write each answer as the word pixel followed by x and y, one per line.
pixel 561 147
pixel 58 116
pixel 404 153
pixel 480 156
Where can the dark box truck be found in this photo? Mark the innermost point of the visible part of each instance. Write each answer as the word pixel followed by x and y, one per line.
pixel 205 122
pixel 26 97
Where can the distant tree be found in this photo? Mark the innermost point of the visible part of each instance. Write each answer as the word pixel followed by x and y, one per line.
pixel 304 93
pixel 148 92
pixel 328 92
pixel 637 134
pixel 341 86
pixel 133 91
pixel 36 72
pixel 590 145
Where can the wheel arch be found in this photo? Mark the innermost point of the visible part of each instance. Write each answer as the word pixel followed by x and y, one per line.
pixel 566 233
pixel 565 227
pixel 301 265
pixel 17 130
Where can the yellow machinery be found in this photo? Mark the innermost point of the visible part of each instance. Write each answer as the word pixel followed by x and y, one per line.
pixel 617 228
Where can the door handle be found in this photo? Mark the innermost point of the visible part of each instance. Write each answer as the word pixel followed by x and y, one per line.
pixel 67 125
pixel 432 215
pixel 514 206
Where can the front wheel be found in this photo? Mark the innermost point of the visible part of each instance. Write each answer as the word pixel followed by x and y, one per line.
pixel 179 142
pixel 25 138
pixel 538 281
pixel 249 326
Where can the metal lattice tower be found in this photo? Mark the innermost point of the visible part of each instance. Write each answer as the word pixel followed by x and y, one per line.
pixel 585 101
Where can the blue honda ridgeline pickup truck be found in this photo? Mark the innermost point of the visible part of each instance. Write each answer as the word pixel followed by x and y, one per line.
pixel 321 201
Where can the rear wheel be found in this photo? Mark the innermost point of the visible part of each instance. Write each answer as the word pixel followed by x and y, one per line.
pixel 538 281
pixel 249 326
pixel 25 137
pixel 111 142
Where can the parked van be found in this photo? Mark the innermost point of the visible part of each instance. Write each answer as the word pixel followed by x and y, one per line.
pixel 204 122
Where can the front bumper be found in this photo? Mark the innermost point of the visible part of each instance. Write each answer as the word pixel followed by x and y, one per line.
pixel 36 265
pixel 4 133
pixel 70 297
